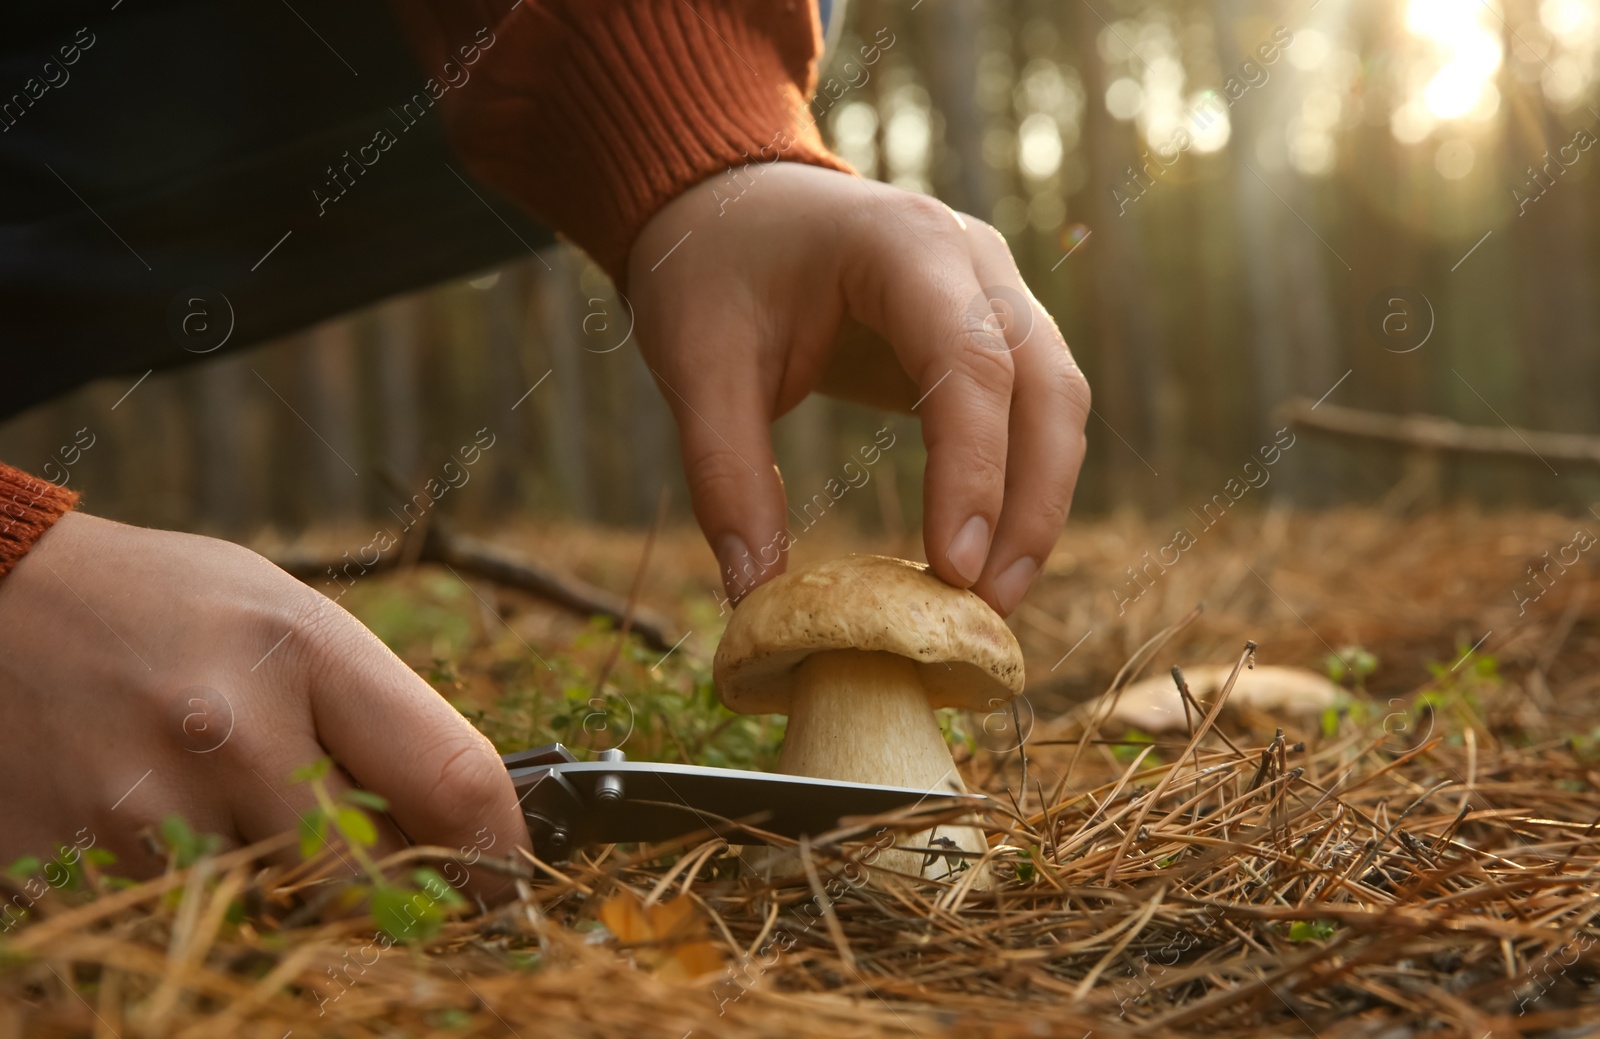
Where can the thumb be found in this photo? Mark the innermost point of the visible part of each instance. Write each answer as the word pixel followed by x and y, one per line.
pixel 724 433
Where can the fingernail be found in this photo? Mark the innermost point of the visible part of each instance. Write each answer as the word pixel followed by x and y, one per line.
pixel 738 566
pixel 1014 582
pixel 970 548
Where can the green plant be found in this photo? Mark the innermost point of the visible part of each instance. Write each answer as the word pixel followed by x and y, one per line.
pixel 452 1017
pixel 1133 742
pixel 1456 698
pixel 1353 662
pixel 1028 868
pixel 431 616
pixel 405 912
pixel 953 726
pixel 1346 705
pixel 1586 745
pixel 184 846
pixel 1480 669
pixel 1312 930
pixel 653 708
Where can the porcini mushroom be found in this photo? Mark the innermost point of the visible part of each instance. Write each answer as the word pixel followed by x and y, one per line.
pixel 859 652
pixel 1154 705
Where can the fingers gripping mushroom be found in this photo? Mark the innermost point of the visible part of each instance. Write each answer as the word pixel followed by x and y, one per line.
pixel 859 652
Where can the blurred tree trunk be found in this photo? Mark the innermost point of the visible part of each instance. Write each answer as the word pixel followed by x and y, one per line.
pixel 562 396
pixel 1555 241
pixel 504 317
pixel 952 32
pixel 161 463
pixel 1257 213
pixel 1283 246
pixel 1310 255
pixel 329 432
pixel 399 358
pixel 1384 254
pixel 1128 375
pixel 230 492
pixel 806 449
pixel 651 436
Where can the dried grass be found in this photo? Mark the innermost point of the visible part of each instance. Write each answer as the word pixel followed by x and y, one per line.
pixel 1429 870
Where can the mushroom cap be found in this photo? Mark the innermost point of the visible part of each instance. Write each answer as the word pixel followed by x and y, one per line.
pixel 966 656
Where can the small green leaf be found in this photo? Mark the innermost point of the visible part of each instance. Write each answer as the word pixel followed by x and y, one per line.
pixel 1330 722
pixel 436 887
pixel 100 856
pixel 1311 931
pixel 25 867
pixel 403 915
pixel 390 908
pixel 1028 869
pixel 313 832
pixel 1350 662
pixel 187 846
pixel 59 872
pixel 356 827
pixel 178 837
pixel 367 799
pixel 1129 749
pixel 318 769
pixel 453 1017
pixel 1365 662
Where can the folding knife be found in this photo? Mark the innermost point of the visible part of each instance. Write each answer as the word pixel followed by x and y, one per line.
pixel 570 804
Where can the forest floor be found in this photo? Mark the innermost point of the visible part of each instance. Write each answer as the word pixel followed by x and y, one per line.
pixel 1419 858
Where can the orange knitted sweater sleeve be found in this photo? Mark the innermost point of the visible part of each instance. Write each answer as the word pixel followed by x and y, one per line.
pixel 593 114
pixel 28 508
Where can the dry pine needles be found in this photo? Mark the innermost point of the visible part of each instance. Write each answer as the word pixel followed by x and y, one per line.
pixel 1427 869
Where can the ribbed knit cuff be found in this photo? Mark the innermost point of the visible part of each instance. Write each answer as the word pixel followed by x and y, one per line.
pixel 29 506
pixel 593 114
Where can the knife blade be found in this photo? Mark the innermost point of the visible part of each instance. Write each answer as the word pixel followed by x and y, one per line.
pixel 570 804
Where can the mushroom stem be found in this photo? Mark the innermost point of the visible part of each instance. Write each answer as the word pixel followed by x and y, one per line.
pixel 862 717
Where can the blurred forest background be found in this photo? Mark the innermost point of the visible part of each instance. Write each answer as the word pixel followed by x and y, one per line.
pixel 1221 202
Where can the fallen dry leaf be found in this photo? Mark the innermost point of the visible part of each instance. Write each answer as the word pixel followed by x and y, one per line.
pixel 669 939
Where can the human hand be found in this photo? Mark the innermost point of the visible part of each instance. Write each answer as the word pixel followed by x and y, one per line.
pixel 744 318
pixel 145 673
